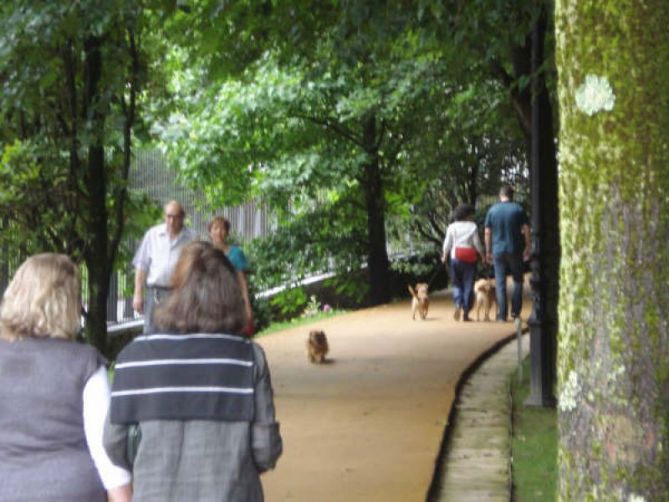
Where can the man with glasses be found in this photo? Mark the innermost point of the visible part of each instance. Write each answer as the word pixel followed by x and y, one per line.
pixel 155 259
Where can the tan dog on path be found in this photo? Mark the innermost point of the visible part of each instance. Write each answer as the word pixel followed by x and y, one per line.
pixel 484 289
pixel 317 346
pixel 420 301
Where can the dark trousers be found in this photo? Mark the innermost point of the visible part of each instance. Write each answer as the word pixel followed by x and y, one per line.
pixel 505 264
pixel 462 278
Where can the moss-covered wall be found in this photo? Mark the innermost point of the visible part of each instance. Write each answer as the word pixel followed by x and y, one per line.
pixel 613 349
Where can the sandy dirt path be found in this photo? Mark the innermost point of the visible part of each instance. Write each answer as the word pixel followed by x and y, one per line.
pixel 367 426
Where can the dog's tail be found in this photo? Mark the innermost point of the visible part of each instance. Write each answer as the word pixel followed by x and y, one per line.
pixel 413 293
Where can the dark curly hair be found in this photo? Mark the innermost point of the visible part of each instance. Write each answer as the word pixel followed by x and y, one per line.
pixel 463 212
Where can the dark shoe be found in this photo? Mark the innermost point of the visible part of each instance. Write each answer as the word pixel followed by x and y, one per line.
pixel 466 319
pixel 500 320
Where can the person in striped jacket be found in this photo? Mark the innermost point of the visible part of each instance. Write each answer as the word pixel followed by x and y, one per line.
pixel 200 391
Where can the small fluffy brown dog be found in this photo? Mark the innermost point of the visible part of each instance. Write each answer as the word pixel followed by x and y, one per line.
pixel 420 302
pixel 485 297
pixel 317 346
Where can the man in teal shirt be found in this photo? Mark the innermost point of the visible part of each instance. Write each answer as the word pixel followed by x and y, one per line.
pixel 507 243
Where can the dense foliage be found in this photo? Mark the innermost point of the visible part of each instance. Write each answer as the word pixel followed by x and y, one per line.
pixel 360 124
pixel 72 75
pixel 368 127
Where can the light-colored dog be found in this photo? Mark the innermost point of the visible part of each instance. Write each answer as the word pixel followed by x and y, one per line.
pixel 484 289
pixel 420 301
pixel 317 346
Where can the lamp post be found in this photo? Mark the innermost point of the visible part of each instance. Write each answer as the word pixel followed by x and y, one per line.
pixel 545 254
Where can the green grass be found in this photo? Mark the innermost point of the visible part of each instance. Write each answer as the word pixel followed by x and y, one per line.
pixel 534 445
pixel 298 321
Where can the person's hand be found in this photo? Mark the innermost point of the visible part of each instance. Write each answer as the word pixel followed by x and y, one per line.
pixel 138 304
pixel 120 493
pixel 443 258
pixel 488 258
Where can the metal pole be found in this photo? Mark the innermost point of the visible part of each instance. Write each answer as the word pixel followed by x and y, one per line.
pixel 519 338
pixel 541 392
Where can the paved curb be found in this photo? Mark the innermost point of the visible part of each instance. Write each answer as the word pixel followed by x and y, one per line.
pixel 475 463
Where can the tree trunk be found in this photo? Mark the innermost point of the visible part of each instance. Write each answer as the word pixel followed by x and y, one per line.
pixel 96 254
pixel 613 368
pixel 521 98
pixel 377 253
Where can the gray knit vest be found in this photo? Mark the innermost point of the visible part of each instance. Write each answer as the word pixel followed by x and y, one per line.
pixel 43 451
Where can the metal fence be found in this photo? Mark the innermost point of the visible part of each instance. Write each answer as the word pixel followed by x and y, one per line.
pixel 151 174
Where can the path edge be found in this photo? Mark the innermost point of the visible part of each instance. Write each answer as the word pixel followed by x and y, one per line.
pixel 442 455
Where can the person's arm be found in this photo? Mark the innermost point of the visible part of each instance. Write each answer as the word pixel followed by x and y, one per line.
pixel 244 285
pixel 527 232
pixel 138 296
pixel 448 243
pixel 142 263
pixel 266 442
pixel 115 441
pixel 477 244
pixel 487 237
pixel 115 479
pixel 241 264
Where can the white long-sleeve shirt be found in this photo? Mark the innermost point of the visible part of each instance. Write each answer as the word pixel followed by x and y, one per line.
pixel 461 234
pixel 96 397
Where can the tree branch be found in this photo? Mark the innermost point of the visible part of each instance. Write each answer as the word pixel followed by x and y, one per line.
pixel 71 87
pixel 520 101
pixel 332 126
pixel 129 110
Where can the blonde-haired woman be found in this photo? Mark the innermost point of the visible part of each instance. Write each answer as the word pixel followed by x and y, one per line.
pixel 54 394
